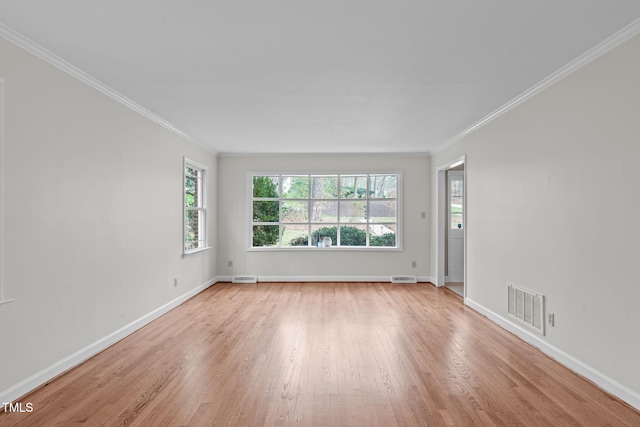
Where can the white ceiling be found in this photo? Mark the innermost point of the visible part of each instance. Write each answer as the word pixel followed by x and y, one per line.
pixel 331 76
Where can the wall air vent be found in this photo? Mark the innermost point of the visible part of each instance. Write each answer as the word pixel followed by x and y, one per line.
pixel 244 279
pixel 526 307
pixel 404 279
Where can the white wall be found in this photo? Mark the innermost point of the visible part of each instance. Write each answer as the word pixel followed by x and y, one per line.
pixel 233 228
pixel 553 205
pixel 93 216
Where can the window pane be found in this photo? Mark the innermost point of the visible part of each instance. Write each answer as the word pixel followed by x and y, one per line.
pixel 294 211
pixel 382 211
pixel 383 186
pixel 353 211
pixel 190 199
pixel 266 211
pixel 295 235
pixel 324 211
pixel 353 187
pixel 382 235
pixel 456 219
pixel 353 235
pixel 295 187
pixel 192 229
pixel 319 232
pixel 324 187
pixel 266 235
pixel 192 184
pixel 190 172
pixel 265 186
pixel 456 190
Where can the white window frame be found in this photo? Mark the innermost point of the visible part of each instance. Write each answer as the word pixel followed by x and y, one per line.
pixel 3 299
pixel 249 213
pixel 201 208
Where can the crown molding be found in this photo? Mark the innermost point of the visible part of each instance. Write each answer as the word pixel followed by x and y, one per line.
pixel 613 41
pixel 44 54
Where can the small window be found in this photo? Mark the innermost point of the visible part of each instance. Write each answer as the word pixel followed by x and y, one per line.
pixel 296 211
pixel 195 212
pixel 456 194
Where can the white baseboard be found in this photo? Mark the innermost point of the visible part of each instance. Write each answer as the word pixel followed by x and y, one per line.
pixel 40 378
pixel 324 278
pixel 601 380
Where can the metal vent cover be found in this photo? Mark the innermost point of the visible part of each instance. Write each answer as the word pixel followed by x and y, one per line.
pixel 404 279
pixel 244 279
pixel 526 307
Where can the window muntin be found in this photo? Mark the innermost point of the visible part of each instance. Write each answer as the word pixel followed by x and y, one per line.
pixel 300 210
pixel 195 213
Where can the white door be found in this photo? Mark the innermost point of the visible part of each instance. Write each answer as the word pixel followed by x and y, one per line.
pixel 455 226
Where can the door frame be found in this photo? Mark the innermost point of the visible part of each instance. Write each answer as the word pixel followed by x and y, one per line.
pixel 441 210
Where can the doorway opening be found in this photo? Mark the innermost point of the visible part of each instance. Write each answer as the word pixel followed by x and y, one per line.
pixel 451 235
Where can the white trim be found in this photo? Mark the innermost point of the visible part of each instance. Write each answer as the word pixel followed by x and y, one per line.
pixel 376 279
pixel 441 218
pixel 44 54
pixel 195 251
pixel 2 298
pixel 248 210
pixel 590 55
pixel 441 215
pixel 601 380
pixel 188 161
pixel 36 380
pixel 331 249
pixel 466 227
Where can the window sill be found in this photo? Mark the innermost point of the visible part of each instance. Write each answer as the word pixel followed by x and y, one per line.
pixel 195 251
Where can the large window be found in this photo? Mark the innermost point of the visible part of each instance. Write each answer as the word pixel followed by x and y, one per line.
pixel 195 212
pixel 347 210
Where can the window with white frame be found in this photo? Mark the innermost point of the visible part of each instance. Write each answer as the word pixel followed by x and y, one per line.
pixel 351 210
pixel 195 212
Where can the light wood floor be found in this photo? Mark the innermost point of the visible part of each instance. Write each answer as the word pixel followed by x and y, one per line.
pixel 341 354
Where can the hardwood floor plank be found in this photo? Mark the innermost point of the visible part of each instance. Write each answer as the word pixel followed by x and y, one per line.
pixel 313 354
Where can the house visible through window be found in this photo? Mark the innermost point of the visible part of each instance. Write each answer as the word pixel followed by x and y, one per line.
pixel 347 210
pixel 195 213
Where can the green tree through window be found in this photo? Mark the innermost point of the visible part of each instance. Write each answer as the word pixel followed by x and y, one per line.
pixel 265 211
